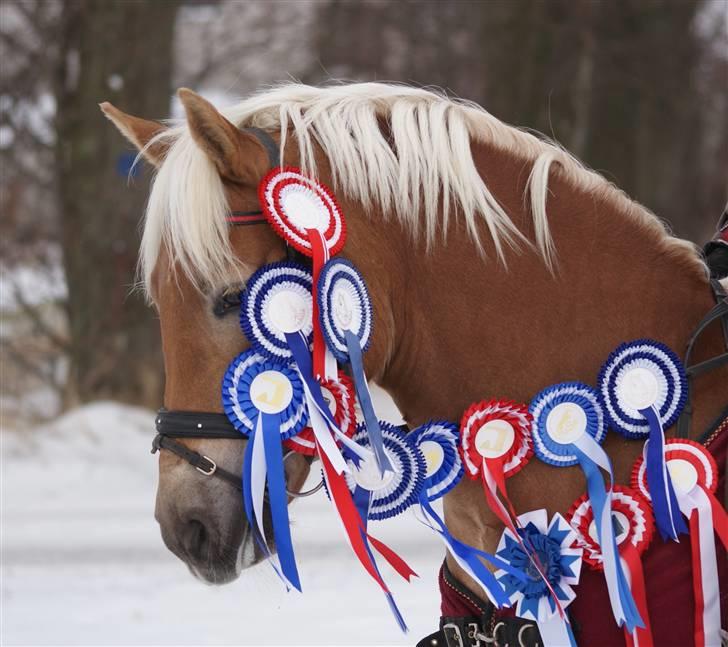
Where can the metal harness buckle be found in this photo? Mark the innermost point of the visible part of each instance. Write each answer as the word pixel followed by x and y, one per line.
pixel 212 469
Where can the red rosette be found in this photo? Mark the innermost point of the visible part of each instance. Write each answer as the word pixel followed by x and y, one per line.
pixel 632 513
pixel 342 392
pixel 502 422
pixel 292 217
pixel 697 463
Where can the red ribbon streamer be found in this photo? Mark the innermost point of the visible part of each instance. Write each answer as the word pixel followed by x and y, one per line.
pixel 643 635
pixel 319 255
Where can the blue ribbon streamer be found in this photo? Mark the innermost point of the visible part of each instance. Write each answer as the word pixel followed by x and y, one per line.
pixel 278 498
pixel 668 518
pixel 365 400
pixel 361 498
pixel 598 498
pixel 470 555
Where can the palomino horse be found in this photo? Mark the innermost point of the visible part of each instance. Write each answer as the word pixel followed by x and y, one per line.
pixel 496 263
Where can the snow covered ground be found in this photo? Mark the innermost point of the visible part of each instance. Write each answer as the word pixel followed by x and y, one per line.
pixel 83 562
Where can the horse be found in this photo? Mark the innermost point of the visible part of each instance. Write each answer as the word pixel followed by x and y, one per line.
pixel 496 262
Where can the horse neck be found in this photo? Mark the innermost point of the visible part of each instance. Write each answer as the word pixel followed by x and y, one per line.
pixel 465 328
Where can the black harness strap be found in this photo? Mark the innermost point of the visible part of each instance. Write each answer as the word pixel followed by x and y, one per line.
pixel 718 312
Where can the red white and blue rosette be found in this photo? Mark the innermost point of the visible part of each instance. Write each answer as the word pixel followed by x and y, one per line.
pixel 389 494
pixel 304 212
pixel 643 389
pixel 264 400
pixel 694 475
pixel 568 427
pixel 275 315
pixel 346 321
pixel 552 545
pixel 339 396
pixel 634 528
pixel 438 444
pixel 495 443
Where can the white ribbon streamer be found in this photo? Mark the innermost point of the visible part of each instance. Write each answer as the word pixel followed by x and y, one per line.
pixel 698 500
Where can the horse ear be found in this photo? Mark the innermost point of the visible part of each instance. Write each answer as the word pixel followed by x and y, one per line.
pixel 139 132
pixel 238 155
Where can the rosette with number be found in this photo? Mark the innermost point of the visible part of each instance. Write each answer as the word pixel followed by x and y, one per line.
pixel 275 315
pixel 634 527
pixel 304 212
pixel 438 444
pixel 568 427
pixel 339 396
pixel 264 400
pixel 495 444
pixel 643 388
pixel 552 546
pixel 694 475
pixel 346 321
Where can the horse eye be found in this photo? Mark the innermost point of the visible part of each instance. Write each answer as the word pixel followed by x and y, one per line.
pixel 228 301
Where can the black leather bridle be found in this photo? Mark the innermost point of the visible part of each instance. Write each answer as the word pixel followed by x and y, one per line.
pixel 194 425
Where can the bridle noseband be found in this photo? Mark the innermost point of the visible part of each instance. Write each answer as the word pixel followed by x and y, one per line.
pixel 205 425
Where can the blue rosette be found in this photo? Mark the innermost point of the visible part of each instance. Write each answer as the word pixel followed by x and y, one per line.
pixel 438 442
pixel 345 315
pixel 264 400
pixel 638 375
pixel 383 496
pixel 236 395
pixel 577 408
pixel 276 304
pixel 643 388
pixel 568 428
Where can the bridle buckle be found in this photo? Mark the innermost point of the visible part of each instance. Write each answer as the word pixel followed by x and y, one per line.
pixel 210 471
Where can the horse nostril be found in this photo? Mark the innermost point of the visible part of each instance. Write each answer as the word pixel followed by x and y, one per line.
pixel 196 540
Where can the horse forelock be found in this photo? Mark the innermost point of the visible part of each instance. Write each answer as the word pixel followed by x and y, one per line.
pixel 421 170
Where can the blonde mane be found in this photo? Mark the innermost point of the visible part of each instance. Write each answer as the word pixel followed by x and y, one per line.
pixel 421 177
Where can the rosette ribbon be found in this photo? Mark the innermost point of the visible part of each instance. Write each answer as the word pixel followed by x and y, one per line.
pixel 568 427
pixel 264 400
pixel 306 215
pixel 496 444
pixel 553 547
pixel 438 444
pixel 382 496
pixel 339 396
pixel 275 315
pixel 346 321
pixel 634 527
pixel 643 387
pixel 694 475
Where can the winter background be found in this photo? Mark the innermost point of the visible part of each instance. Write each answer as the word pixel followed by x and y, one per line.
pixel 638 90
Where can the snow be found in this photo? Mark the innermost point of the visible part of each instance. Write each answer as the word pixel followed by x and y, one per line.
pixel 83 562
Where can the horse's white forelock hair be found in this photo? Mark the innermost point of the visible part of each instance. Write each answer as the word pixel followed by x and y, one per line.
pixel 424 174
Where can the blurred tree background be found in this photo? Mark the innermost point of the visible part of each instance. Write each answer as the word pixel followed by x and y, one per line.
pixel 637 89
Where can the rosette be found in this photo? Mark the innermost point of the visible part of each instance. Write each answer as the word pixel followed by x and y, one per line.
pixel 568 427
pixel 643 389
pixel 694 475
pixel 275 315
pixel 438 444
pixel 391 493
pixel 339 396
pixel 306 215
pixel 346 321
pixel 634 527
pixel 495 444
pixel 264 400
pixel 552 546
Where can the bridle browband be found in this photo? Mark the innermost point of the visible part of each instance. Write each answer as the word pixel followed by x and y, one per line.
pixel 204 425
